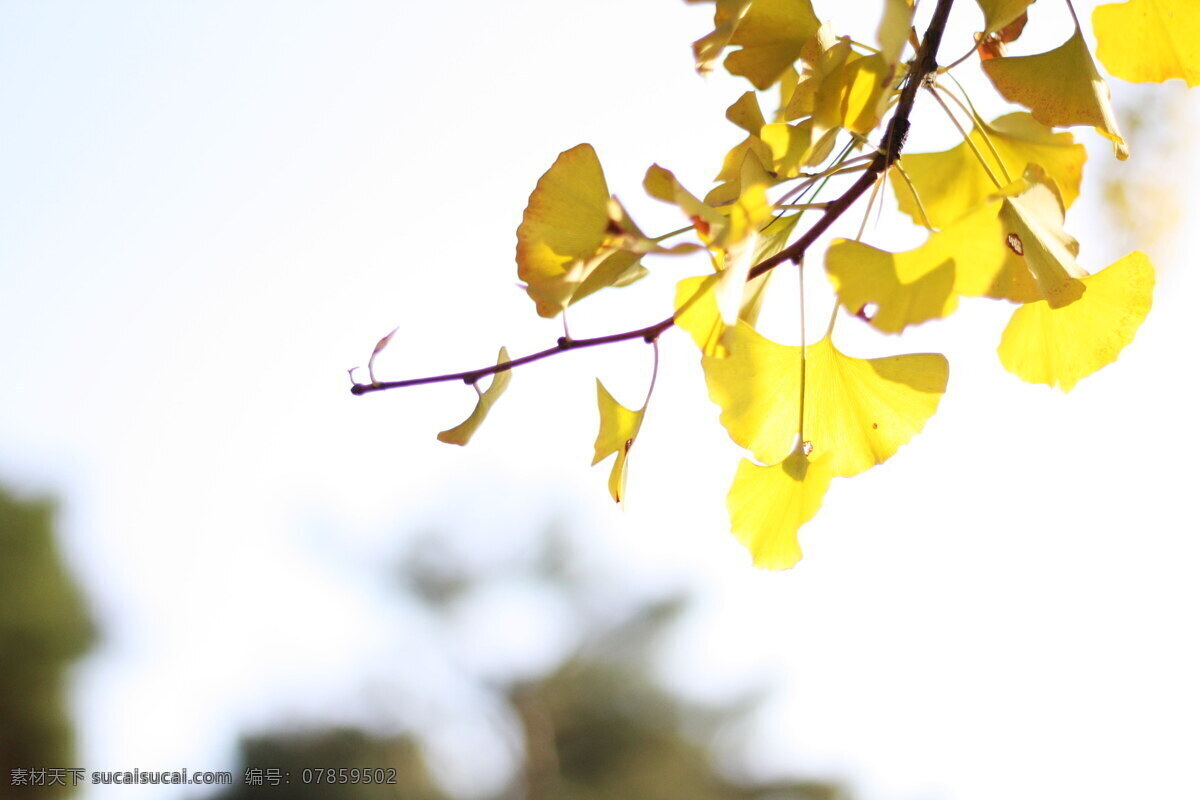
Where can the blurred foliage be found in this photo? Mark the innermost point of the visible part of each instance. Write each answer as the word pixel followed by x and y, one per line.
pixel 44 627
pixel 1143 206
pixel 595 726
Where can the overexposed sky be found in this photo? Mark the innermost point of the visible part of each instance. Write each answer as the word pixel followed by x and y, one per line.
pixel 212 210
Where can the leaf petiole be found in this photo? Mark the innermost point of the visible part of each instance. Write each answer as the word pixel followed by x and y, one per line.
pixel 966 138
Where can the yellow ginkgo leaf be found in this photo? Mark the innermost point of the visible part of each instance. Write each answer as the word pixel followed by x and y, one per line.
pixel 1060 87
pixel 731 233
pixel 726 17
pixel 461 434
pixel 662 184
pixel 858 411
pixel 853 96
pixel 1060 346
pixel 695 301
pixel 953 182
pixel 1011 247
pixel 786 87
pixel 562 229
pixel 746 113
pixel 821 55
pixel 1032 215
pixel 618 429
pixel 616 269
pixel 696 312
pixel 1149 41
pixel 995 44
pixel 768 504
pixel 971 257
pixel 771 34
pixel 566 234
pixel 894 28
pixel 790 146
pixel 999 13
pixel 772 237
pixel 739 244
pixel 893 290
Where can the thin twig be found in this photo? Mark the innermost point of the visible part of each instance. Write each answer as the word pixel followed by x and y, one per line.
pixel 647 334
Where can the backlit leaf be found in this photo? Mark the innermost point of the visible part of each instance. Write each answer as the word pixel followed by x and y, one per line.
pixel 565 234
pixel 696 312
pixel 894 27
pixel 1149 41
pixel 853 96
pixel 662 184
pixel 857 411
pixel 771 35
pixel 970 257
pixel 1012 247
pixel 1060 346
pixel 790 146
pixel 999 13
pixel 1060 87
pixel 574 239
pixel 746 113
pixel 731 233
pixel 768 504
pixel 822 54
pixel 562 229
pixel 695 303
pixel 747 215
pixel 619 428
pixel 726 17
pixel 995 44
pixel 952 183
pixel 462 433
pixel 1033 220
pixel 616 268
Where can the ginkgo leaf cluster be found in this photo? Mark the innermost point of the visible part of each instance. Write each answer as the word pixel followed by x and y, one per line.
pixel 824 119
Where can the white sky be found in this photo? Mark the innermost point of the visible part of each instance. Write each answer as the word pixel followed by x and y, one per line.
pixel 212 210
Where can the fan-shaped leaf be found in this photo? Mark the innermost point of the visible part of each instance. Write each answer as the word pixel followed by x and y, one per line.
pixel 953 182
pixel 1060 346
pixel 771 34
pixel 768 504
pixel 971 257
pixel 999 13
pixel 1060 87
pixel 1149 41
pixel 858 411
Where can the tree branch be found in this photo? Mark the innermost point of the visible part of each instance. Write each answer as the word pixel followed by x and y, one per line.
pixel 923 66
pixel 648 334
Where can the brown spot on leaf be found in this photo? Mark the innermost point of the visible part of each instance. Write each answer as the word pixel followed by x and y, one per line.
pixel 628 444
pixel 1015 244
pixel 867 312
pixel 874 426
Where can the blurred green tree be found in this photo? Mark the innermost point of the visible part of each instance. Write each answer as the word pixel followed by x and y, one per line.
pixel 595 726
pixel 44 627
